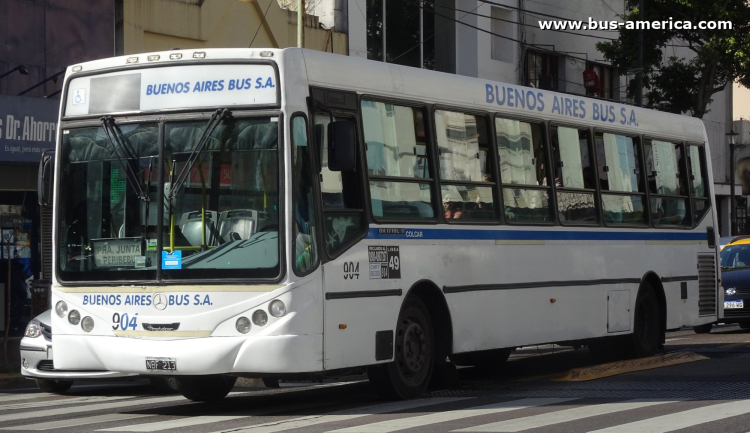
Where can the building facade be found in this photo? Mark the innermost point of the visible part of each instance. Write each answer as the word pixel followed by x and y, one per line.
pixel 158 25
pixel 40 38
pixel 501 40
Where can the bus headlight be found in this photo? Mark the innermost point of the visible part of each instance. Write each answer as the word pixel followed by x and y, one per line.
pixel 87 324
pixel 260 318
pixel 277 308
pixel 243 325
pixel 61 308
pixel 33 330
pixel 74 317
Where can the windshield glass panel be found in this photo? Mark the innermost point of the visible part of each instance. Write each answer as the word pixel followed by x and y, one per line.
pixel 104 225
pixel 735 256
pixel 220 216
pixel 225 215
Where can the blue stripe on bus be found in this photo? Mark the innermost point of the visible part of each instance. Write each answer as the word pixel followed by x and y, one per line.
pixel 543 235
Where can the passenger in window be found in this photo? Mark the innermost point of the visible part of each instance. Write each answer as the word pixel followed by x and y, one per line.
pixel 451 206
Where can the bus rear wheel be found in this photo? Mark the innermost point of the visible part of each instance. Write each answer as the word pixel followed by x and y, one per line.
pixel 205 388
pixel 647 332
pixel 408 375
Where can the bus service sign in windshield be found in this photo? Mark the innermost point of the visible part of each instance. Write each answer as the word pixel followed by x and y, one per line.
pixel 172 87
pixel 122 252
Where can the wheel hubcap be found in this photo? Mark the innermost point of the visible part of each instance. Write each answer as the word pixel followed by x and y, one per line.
pixel 413 348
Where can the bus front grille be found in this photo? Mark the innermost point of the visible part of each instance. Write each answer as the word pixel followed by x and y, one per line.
pixel 45 365
pixel 706 284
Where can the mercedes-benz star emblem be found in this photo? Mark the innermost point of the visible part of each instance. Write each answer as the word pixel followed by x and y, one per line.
pixel 730 291
pixel 160 301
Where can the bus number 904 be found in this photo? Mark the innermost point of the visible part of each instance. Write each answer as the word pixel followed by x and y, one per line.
pixel 124 321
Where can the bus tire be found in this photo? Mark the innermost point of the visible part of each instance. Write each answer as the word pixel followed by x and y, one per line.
pixel 54 386
pixel 211 387
pixel 744 325
pixel 408 375
pixel 163 385
pixel 703 329
pixel 647 332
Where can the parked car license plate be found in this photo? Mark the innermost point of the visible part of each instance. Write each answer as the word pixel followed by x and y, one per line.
pixel 733 304
pixel 165 364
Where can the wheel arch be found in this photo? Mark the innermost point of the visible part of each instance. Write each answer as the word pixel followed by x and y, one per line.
pixel 440 315
pixel 655 282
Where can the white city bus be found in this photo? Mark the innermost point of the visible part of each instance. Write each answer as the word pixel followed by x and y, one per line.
pixel 272 213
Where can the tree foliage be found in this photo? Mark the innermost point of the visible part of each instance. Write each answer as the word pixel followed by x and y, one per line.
pixel 684 84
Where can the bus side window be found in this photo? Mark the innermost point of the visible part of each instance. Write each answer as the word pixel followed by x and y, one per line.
pixel 667 183
pixel 619 174
pixel 574 175
pixel 523 171
pixel 303 218
pixel 397 151
pixel 343 211
pixel 698 187
pixel 467 181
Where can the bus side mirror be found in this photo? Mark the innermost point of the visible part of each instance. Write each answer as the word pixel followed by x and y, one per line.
pixel 45 178
pixel 342 140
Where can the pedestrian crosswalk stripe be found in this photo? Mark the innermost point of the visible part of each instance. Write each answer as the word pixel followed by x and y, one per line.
pixel 561 416
pixel 89 408
pixel 175 423
pixel 684 419
pixel 434 418
pixel 308 421
pixel 75 422
pixel 59 402
pixel 12 397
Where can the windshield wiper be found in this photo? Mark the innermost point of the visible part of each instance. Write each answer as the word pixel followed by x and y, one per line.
pixel 116 139
pixel 216 118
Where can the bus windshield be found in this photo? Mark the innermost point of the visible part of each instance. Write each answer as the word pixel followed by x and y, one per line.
pixel 222 220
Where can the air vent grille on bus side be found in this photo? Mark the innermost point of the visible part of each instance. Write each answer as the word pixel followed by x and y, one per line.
pixel 706 284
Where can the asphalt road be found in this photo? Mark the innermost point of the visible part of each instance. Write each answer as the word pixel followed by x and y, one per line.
pixel 709 394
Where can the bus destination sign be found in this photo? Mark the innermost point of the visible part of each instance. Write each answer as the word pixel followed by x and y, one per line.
pixel 122 252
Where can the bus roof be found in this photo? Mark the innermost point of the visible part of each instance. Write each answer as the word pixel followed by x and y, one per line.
pixel 450 90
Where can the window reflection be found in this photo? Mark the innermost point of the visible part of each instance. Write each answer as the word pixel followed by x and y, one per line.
pixel 463 145
pixel 397 150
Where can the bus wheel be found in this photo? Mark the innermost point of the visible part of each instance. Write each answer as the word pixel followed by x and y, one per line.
pixel 205 388
pixel 54 386
pixel 703 329
pixel 409 373
pixel 647 331
pixel 744 325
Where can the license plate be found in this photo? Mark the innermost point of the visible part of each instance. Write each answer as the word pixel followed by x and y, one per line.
pixel 164 364
pixel 733 304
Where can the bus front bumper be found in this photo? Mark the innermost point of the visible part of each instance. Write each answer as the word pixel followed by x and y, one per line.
pixel 193 356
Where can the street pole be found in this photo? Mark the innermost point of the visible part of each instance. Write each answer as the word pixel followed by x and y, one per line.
pixel 732 206
pixel 300 24
pixel 639 74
